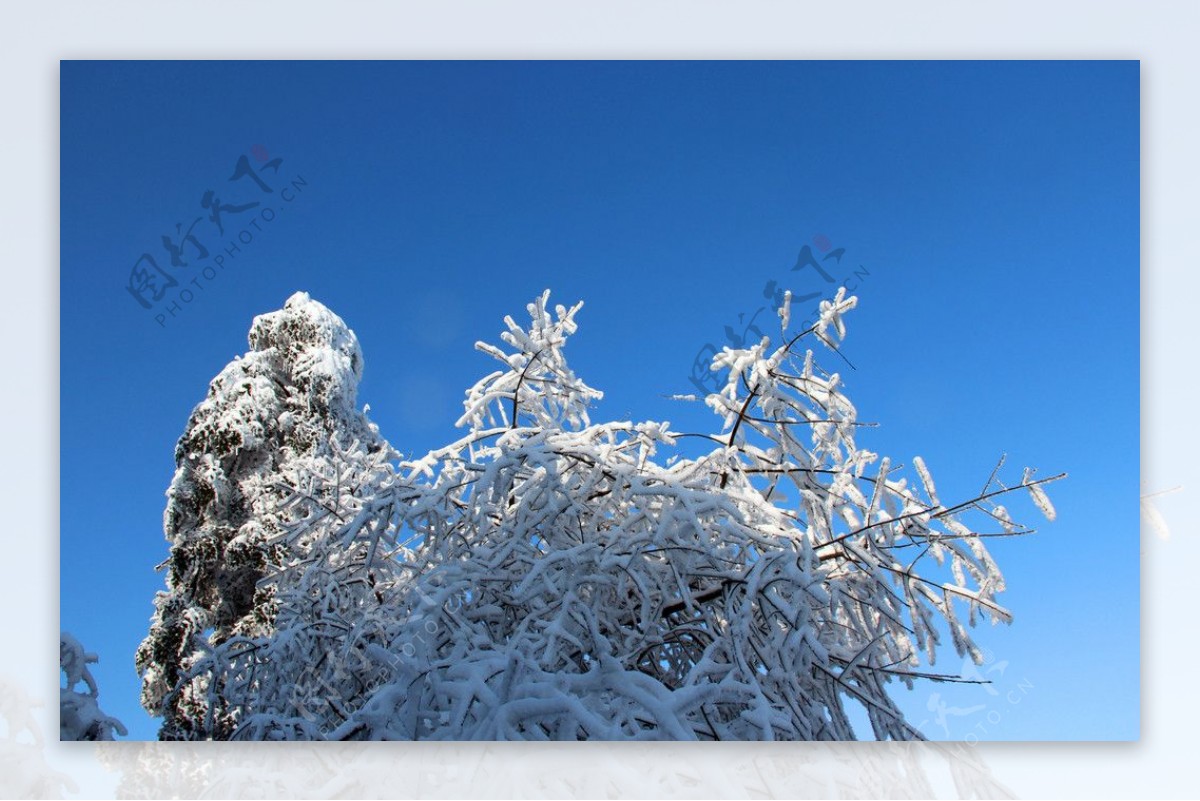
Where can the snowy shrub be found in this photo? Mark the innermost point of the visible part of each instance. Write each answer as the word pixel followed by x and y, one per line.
pixel 547 577
pixel 79 713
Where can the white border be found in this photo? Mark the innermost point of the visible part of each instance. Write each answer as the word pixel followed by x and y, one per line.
pixel 1161 34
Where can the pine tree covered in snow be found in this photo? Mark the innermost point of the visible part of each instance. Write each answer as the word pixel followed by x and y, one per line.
pixel 547 577
pixel 285 409
pixel 79 713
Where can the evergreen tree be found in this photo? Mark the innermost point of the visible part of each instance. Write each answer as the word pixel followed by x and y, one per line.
pixel 290 401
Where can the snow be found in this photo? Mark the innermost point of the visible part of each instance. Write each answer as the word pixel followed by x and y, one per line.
pixel 1040 499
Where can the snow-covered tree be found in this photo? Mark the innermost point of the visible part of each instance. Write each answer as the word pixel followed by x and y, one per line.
pixel 284 409
pixel 79 713
pixel 547 577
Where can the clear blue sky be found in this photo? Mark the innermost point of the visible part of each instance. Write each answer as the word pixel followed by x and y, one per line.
pixel 990 210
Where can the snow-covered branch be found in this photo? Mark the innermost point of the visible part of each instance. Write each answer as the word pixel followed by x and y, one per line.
pixel 547 577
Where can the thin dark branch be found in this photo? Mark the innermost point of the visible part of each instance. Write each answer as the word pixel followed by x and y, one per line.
pixel 520 381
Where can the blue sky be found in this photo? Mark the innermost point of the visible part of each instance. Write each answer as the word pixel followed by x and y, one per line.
pixel 989 217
